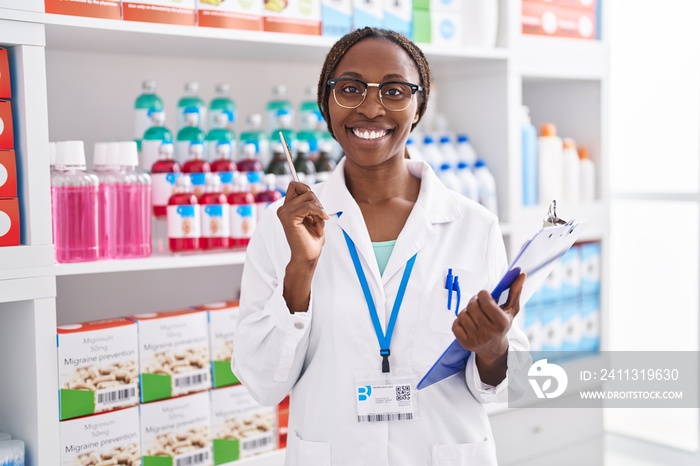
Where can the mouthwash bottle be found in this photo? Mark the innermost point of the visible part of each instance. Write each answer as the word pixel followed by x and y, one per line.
pixel 267 196
pixel 107 172
pixel 189 100
pixel 242 212
pixel 303 163
pixel 280 168
pixel 164 173
pixel 74 201
pixel 279 102
pixel 284 126
pixel 224 167
pixel 216 224
pixel 190 134
pixel 222 103
pixel 219 133
pixel 153 138
pixel 132 208
pixel 146 102
pixel 184 218
pixel 196 168
pixel 252 168
pixel 309 106
pixel 255 135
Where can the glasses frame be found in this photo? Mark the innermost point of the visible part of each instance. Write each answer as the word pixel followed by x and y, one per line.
pixel 414 88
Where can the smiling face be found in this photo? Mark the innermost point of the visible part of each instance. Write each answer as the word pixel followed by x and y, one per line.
pixel 371 135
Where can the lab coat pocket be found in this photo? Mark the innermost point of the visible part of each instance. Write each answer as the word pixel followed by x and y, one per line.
pixel 478 453
pixel 304 452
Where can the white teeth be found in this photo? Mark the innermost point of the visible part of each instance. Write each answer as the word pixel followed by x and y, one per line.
pixel 369 135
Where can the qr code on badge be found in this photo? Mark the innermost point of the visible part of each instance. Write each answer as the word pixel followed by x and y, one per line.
pixel 403 393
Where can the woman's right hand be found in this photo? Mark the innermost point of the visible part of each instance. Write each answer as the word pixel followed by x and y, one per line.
pixel 303 220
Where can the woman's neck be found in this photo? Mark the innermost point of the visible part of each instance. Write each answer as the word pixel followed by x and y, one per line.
pixel 376 185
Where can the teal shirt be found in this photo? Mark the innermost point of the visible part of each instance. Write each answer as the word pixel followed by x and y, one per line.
pixel 382 251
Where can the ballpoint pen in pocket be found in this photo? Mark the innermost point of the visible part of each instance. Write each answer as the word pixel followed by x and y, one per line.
pixel 452 284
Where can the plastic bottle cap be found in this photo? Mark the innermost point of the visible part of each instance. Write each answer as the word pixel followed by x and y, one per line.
pixel 311 119
pixel 462 138
pixel 428 140
pixel 276 147
pixel 303 146
pixel 148 86
pixel 409 142
pixel 284 120
pixel 183 182
pixel 279 90
pixel 479 163
pixel 52 154
pixel 254 120
pixel 99 154
pixel 112 154
pixel 326 147
pixel 223 88
pixel 157 117
pixel 167 149
pixel 213 181
pixel 192 86
pixel 196 148
pixel 445 140
pixel 445 167
pixel 548 129
pixel 269 179
pixel 70 153
pixel 583 153
pixel 128 154
pixel 569 143
pixel 250 150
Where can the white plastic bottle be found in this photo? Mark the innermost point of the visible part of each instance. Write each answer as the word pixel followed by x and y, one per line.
pixel 431 153
pixel 550 150
pixel 449 178
pixel 133 206
pixel 487 186
pixel 468 184
pixel 587 175
pixel 465 151
pixel 449 153
pixel 529 158
pixel 191 100
pixel 480 26
pixel 571 175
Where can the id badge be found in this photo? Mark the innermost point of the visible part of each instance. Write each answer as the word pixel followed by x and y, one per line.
pixel 386 397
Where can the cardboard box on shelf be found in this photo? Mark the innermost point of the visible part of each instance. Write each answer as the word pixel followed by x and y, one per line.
pixel 7 135
pixel 173 353
pixel 241 427
pixel 97 367
pixel 422 27
pixel 223 319
pixel 108 9
pixel 8 174
pixel 292 16
pixel 107 438
pixel 160 11
pixel 561 21
pixel 368 13
pixel 9 222
pixel 5 84
pixel 398 16
pixel 230 14
pixel 177 431
pixel 336 17
pixel 446 28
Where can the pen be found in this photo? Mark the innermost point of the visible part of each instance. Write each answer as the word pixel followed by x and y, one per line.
pixel 290 161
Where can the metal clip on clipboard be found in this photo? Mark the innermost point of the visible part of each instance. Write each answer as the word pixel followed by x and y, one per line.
pixel 551 220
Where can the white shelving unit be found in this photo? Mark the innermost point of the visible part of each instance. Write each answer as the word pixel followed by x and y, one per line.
pixel 75 78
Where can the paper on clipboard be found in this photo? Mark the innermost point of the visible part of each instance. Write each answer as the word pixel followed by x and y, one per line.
pixel 537 258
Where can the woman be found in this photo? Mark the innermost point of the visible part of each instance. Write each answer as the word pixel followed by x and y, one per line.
pixel 306 324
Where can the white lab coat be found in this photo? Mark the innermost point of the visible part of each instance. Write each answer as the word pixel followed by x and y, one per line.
pixel 316 354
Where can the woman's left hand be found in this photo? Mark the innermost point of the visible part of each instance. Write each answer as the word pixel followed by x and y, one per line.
pixel 483 326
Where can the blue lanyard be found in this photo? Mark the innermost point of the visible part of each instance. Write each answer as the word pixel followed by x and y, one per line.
pixel 384 340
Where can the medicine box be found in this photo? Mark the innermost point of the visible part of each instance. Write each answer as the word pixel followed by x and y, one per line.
pixel 556 20
pixel 241 427
pixel 177 431
pixel 9 222
pixel 283 421
pixel 97 367
pixel 173 353
pixel 446 28
pixel 230 14
pixel 5 84
pixel 422 27
pixel 107 438
pixel 8 174
pixel 398 15
pixel 7 135
pixel 223 319
pixel 160 11
pixel 292 16
pixel 368 13
pixel 336 17
pixel 108 9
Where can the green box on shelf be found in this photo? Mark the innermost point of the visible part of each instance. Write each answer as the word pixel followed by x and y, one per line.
pixel 421 26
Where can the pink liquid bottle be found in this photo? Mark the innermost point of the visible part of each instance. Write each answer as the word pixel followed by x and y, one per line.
pixel 164 173
pixel 224 166
pixel 242 212
pixel 216 224
pixel 196 167
pixel 252 168
pixel 134 203
pixel 105 162
pixel 184 222
pixel 267 196
pixel 75 205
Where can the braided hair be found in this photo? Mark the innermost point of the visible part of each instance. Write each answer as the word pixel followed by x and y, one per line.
pixel 346 42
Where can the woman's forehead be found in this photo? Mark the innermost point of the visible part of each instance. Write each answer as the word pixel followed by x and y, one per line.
pixel 377 57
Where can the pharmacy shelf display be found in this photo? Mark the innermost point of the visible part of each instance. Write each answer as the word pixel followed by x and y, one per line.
pixel 76 78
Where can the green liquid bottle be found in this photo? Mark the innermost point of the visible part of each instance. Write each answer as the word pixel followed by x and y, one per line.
pixel 284 126
pixel 153 138
pixel 222 103
pixel 218 134
pixel 189 134
pixel 146 102
pixel 191 99
pixel 279 102
pixel 256 136
pixel 307 108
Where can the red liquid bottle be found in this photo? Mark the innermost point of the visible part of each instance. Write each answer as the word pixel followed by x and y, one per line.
pixel 216 224
pixel 197 168
pixel 242 212
pixel 267 196
pixel 252 168
pixel 164 173
pixel 184 218
pixel 224 166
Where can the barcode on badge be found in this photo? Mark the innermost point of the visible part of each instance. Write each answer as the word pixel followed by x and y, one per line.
pixel 403 393
pixel 120 396
pixel 257 445
pixel 191 380
pixel 385 417
pixel 194 459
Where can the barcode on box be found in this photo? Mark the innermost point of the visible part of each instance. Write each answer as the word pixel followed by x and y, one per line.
pixel 403 393
pixel 257 445
pixel 124 395
pixel 385 417
pixel 194 459
pixel 191 381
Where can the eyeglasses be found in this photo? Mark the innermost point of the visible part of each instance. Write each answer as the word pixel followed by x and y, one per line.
pixel 394 95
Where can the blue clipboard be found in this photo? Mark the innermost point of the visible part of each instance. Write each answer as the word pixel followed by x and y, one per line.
pixel 536 258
